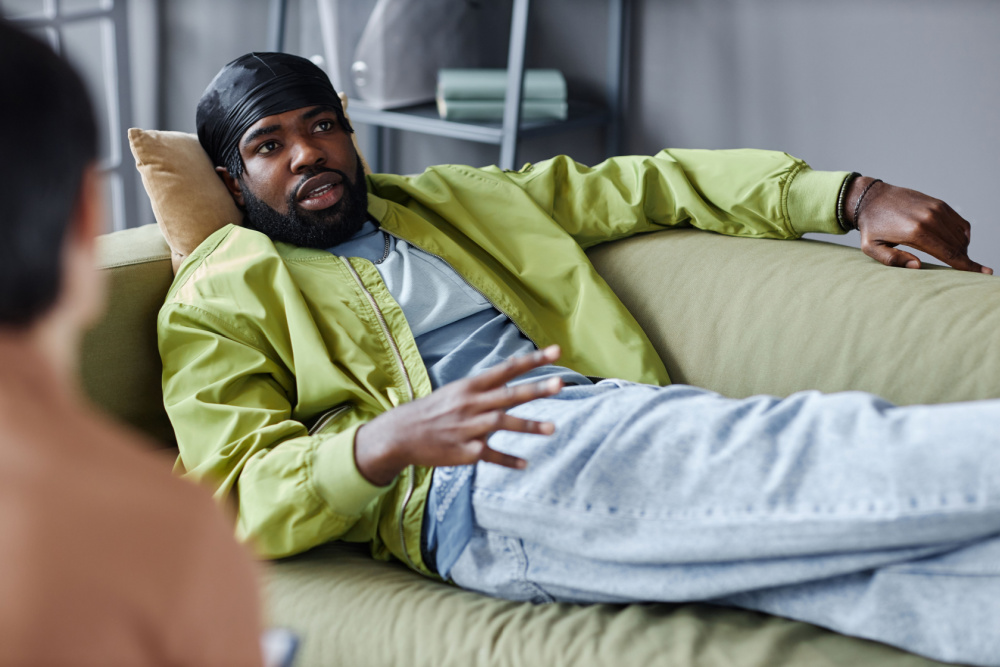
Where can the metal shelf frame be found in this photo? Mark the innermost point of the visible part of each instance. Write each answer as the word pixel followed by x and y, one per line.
pixel 112 14
pixel 510 130
pixel 424 118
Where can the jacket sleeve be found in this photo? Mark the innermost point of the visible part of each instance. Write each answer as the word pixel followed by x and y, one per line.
pixel 231 404
pixel 751 193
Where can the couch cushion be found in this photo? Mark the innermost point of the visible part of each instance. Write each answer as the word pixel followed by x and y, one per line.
pixel 188 198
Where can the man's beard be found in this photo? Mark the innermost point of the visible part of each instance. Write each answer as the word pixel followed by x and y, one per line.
pixel 312 229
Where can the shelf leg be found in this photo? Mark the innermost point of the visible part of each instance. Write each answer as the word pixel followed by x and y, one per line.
pixel 617 77
pixel 276 25
pixel 374 152
pixel 515 83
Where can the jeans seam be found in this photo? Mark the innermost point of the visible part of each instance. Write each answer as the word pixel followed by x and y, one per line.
pixel 897 511
pixel 516 545
pixel 917 572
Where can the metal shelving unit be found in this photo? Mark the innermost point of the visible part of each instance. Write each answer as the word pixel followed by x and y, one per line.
pixel 505 134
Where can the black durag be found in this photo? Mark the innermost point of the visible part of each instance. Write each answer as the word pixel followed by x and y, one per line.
pixel 252 87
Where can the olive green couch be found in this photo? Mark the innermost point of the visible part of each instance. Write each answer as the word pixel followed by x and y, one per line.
pixel 737 316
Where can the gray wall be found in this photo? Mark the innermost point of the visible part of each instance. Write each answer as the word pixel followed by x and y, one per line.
pixel 906 90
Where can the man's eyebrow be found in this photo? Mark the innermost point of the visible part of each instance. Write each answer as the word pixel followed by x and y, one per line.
pixel 247 140
pixel 315 111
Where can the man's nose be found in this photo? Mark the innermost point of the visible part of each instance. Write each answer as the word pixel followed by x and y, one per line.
pixel 306 155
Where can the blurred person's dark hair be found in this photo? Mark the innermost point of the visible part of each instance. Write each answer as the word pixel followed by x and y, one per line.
pixel 50 137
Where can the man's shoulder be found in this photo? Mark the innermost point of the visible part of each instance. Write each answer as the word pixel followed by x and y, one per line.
pixel 94 510
pixel 234 264
pixel 434 180
pixel 240 284
pixel 231 246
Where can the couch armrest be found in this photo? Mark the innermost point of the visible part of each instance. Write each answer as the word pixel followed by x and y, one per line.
pixel 120 363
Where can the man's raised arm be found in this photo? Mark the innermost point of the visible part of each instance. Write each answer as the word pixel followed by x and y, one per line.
pixel 748 193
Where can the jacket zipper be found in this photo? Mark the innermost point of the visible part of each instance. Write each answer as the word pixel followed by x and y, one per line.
pixel 409 390
pixel 328 417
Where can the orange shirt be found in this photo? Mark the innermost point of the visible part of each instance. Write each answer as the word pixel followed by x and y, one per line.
pixel 105 557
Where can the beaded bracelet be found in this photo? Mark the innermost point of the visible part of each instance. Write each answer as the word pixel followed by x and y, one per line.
pixel 841 220
pixel 857 207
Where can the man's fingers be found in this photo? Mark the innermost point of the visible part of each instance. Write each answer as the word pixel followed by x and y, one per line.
pixel 498 420
pixel 963 224
pixel 956 259
pixel 959 225
pixel 950 228
pixel 963 263
pixel 477 450
pixel 954 255
pixel 493 456
pixel 510 369
pixel 507 397
pixel 891 256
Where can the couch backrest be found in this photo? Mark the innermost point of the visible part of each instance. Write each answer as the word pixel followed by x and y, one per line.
pixel 744 317
pixel 737 316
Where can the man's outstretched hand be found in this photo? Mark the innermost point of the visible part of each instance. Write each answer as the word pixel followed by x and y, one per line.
pixel 892 216
pixel 450 427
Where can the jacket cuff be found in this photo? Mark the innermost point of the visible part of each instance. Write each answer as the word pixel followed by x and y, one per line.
pixel 336 476
pixel 812 201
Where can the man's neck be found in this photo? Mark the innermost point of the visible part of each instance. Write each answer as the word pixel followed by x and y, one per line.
pixel 52 343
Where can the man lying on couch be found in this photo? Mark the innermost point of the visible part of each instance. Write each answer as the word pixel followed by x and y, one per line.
pixel 386 372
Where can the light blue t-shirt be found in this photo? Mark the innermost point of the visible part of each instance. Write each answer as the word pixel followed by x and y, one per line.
pixel 459 333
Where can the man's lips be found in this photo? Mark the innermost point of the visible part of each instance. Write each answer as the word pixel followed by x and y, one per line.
pixel 321 191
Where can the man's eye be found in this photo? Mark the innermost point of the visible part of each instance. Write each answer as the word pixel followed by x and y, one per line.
pixel 324 125
pixel 266 147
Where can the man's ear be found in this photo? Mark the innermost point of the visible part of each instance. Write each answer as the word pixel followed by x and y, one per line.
pixel 232 185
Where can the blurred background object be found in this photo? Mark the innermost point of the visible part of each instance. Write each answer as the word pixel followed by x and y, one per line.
pixel 388 52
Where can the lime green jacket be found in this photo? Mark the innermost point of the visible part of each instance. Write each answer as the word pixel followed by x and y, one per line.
pixel 274 355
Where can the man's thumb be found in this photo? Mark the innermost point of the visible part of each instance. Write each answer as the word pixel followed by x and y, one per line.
pixel 892 256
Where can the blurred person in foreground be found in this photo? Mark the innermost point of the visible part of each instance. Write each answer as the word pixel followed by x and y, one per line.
pixel 106 558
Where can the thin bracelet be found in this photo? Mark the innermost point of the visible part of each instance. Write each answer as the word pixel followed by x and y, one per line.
pixel 841 219
pixel 857 207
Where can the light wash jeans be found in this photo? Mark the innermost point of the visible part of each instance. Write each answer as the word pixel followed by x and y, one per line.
pixel 837 509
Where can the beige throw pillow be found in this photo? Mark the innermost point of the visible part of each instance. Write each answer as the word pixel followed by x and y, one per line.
pixel 189 199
